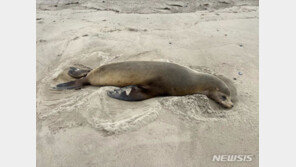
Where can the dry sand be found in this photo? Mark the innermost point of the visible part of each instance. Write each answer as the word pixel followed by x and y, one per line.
pixel 87 128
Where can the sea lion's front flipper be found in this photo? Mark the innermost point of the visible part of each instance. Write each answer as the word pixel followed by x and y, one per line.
pixel 77 72
pixel 130 93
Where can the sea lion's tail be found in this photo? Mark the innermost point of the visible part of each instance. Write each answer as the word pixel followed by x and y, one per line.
pixel 77 84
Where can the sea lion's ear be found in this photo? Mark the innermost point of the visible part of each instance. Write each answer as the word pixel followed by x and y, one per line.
pixel 129 93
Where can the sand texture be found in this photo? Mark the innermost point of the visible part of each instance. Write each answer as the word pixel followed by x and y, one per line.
pixel 86 128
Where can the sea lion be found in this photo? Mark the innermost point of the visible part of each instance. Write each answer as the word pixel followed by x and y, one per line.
pixel 140 80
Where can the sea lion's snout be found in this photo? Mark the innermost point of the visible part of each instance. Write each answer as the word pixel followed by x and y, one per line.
pixel 227 105
pixel 226 102
pixel 222 99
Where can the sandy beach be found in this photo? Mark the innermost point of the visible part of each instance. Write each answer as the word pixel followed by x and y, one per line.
pixel 86 128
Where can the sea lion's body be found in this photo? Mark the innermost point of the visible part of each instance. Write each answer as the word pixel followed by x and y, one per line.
pixel 149 79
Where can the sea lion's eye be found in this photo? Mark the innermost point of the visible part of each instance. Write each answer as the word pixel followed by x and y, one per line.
pixel 223 97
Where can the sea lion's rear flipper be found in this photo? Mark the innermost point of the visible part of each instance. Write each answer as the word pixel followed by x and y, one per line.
pixel 130 93
pixel 78 72
pixel 78 84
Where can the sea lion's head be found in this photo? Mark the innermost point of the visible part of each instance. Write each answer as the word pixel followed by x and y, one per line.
pixel 222 98
pixel 217 89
